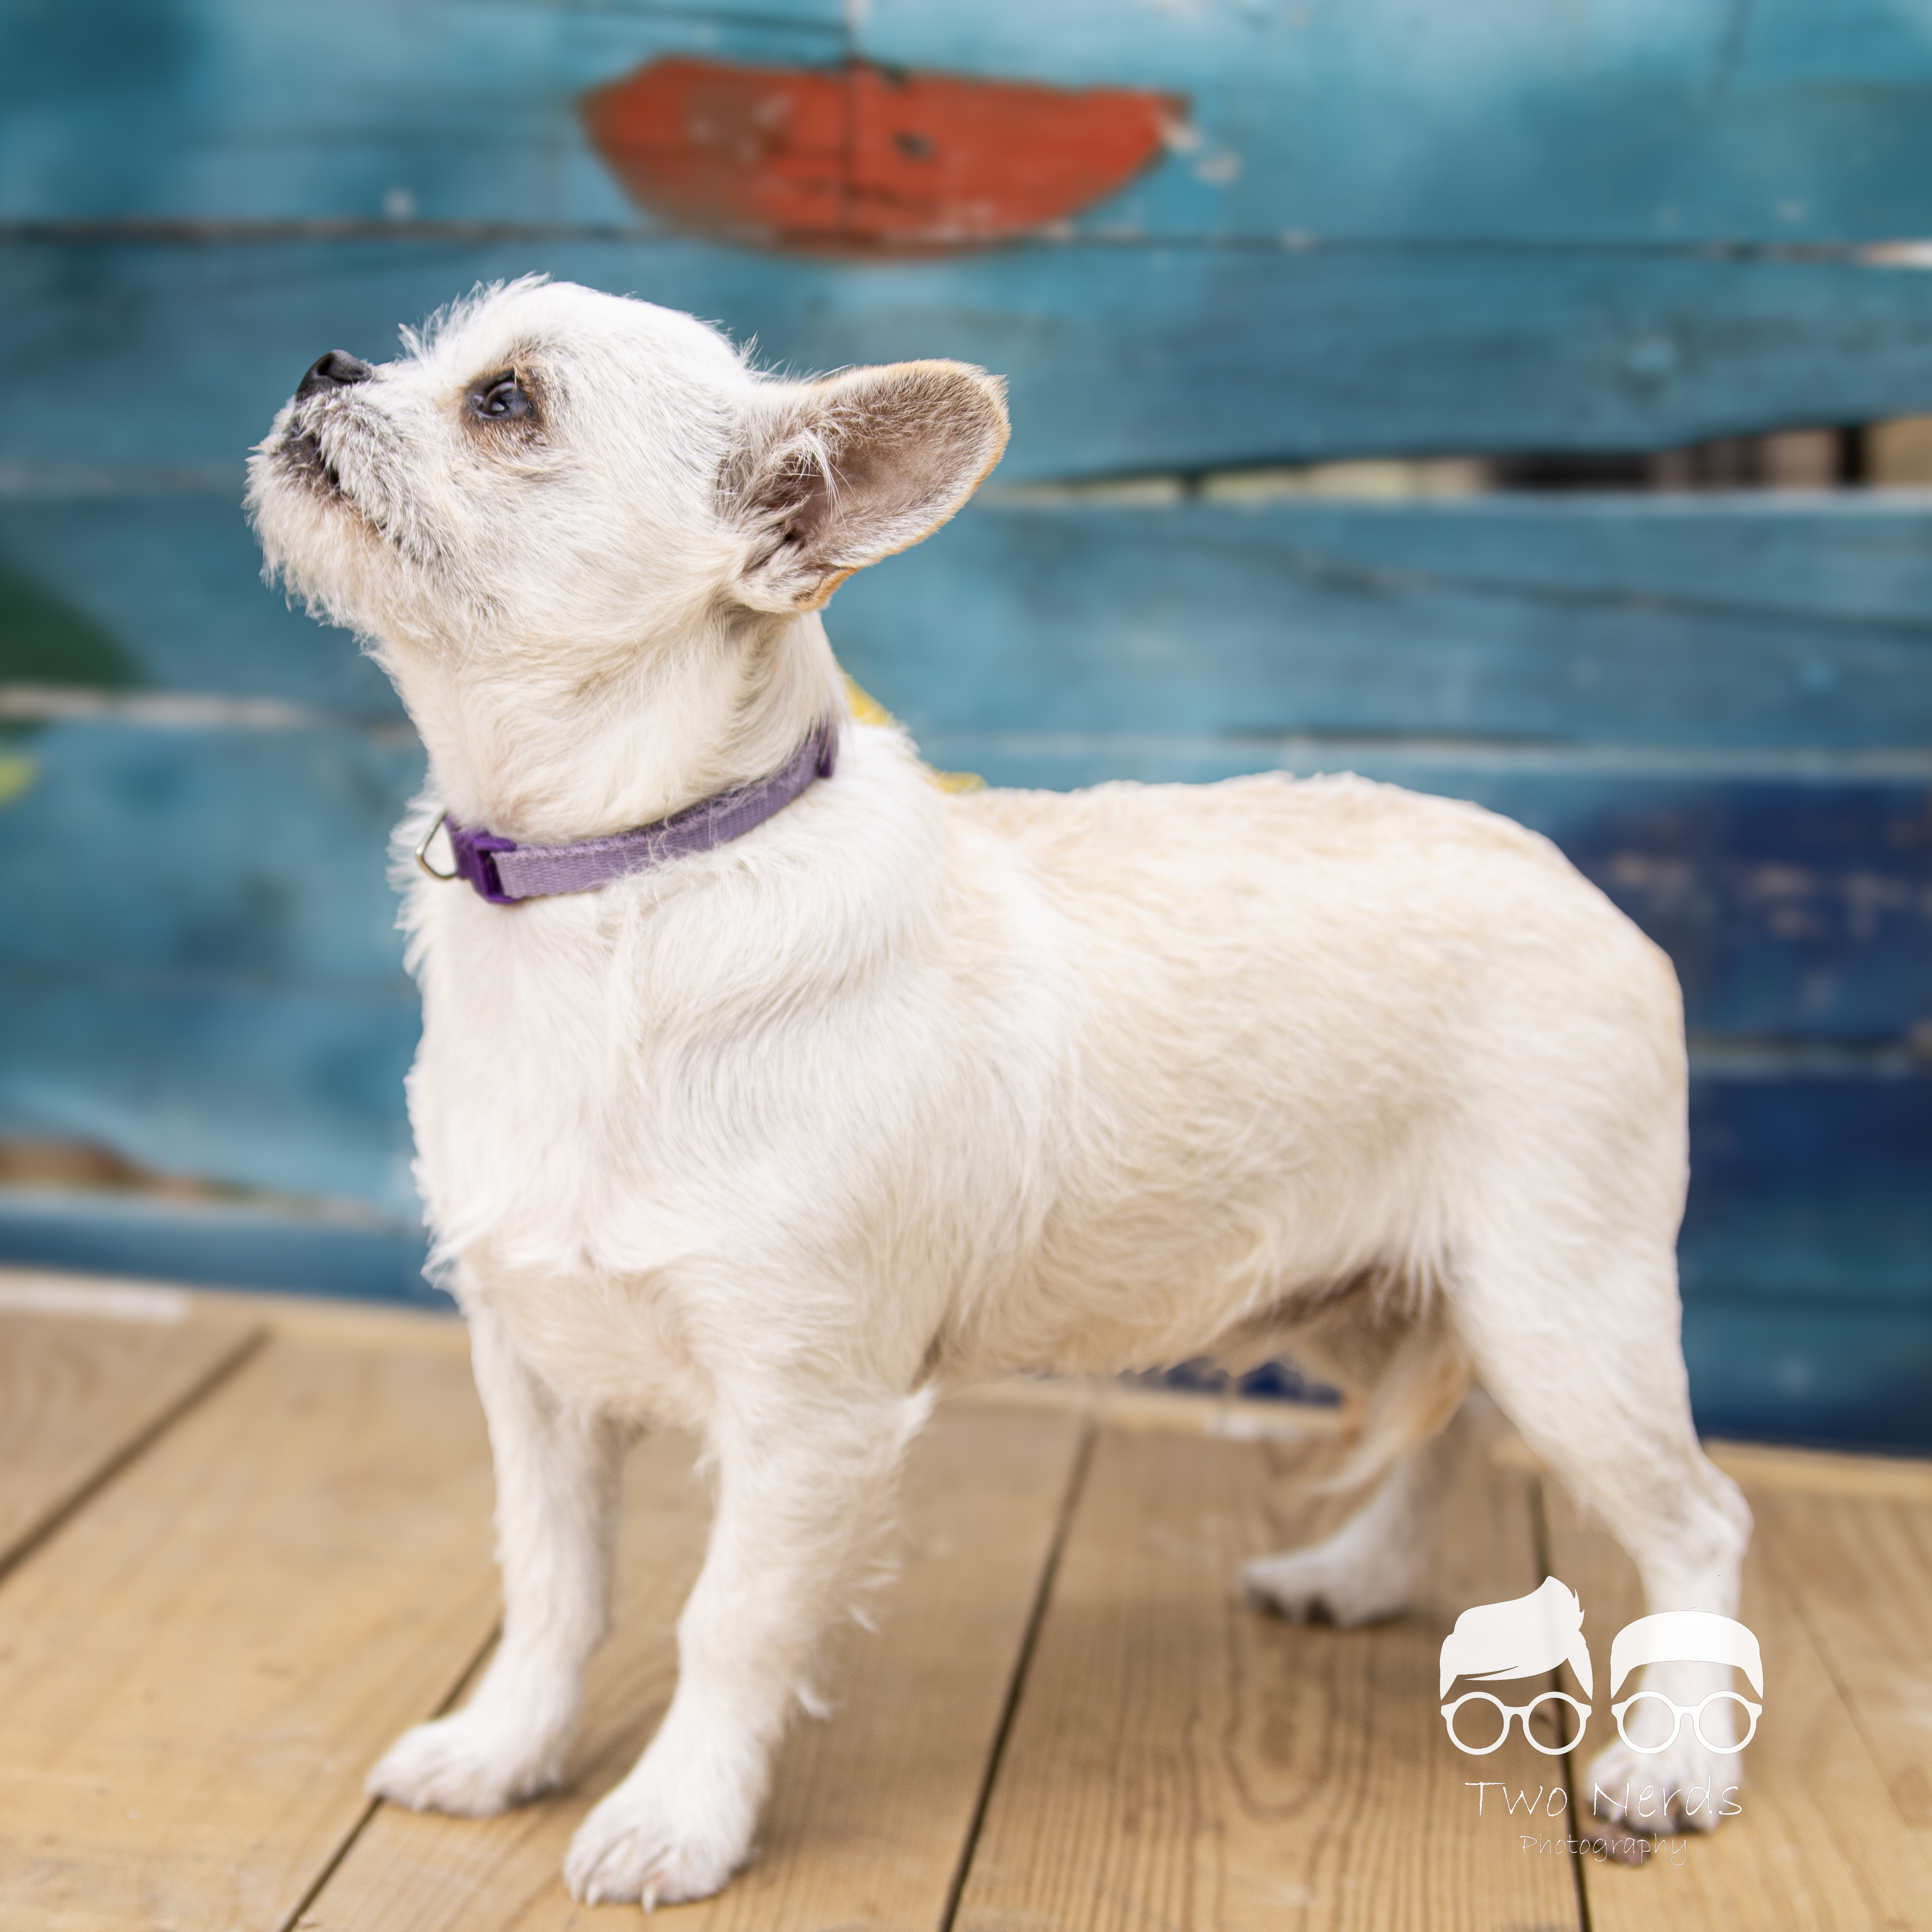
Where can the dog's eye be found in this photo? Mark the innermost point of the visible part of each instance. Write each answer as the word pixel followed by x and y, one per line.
pixel 501 398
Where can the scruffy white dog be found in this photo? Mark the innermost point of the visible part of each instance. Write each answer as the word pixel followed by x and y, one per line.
pixel 795 1118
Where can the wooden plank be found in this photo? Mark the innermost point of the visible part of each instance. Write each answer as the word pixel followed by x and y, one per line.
pixel 457 112
pixel 1756 885
pixel 1807 1186
pixel 1630 621
pixel 292 1089
pixel 1315 352
pixel 298 1318
pixel 1796 911
pixel 337 1248
pixel 1507 118
pixel 80 1397
pixel 1793 897
pixel 1814 1472
pixel 1820 1842
pixel 1512 120
pixel 197 1673
pixel 1178 1758
pixel 1859 1569
pixel 164 592
pixel 1736 621
pixel 254 857
pixel 870 1810
pixel 1836 1369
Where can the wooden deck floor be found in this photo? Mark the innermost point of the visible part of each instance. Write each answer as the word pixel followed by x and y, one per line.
pixel 242 1544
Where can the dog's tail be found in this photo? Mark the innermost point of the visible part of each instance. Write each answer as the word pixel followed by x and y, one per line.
pixel 1421 1386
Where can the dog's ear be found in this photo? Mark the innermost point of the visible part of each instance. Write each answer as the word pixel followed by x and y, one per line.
pixel 828 477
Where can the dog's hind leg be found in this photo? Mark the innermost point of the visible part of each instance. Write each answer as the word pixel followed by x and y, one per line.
pixel 1414 1378
pixel 1581 1350
pixel 559 1474
pixel 1373 1565
pixel 804 1474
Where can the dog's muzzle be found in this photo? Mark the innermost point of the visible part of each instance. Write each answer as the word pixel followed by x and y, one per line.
pixel 301 448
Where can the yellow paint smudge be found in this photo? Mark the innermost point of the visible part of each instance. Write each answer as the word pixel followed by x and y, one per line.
pixel 16 775
pixel 866 710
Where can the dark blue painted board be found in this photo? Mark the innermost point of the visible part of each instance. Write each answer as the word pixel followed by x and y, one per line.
pixel 1810 1190
pixel 1497 119
pixel 1666 621
pixel 1119 358
pixel 299 1090
pixel 1850 1376
pixel 1804 911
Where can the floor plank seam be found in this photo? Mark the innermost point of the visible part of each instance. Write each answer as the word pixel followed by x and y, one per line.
pixel 42 1532
pixel 1076 1482
pixel 306 1903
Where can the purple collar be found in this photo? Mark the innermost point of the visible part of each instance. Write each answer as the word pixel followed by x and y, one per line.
pixel 503 871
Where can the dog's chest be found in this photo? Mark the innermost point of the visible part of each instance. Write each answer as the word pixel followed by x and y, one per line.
pixel 618 1345
pixel 543 1116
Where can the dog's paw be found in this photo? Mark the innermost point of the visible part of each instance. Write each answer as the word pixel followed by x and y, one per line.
pixel 1325 1584
pixel 1687 1787
pixel 670 1832
pixel 464 1764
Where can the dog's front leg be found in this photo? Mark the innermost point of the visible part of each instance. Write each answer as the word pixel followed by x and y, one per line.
pixel 803 1477
pixel 559 1472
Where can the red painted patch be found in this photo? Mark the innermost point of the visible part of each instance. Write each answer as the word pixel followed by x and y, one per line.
pixel 868 158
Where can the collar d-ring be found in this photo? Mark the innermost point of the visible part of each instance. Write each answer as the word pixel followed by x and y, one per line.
pixel 422 851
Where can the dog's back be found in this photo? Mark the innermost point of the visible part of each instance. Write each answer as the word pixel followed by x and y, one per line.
pixel 1317 1023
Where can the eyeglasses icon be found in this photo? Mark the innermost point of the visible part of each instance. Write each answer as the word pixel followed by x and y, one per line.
pixel 1528 1636
pixel 1646 1723
pixel 1568 1730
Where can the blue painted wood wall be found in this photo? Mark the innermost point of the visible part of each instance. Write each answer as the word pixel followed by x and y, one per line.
pixel 1384 226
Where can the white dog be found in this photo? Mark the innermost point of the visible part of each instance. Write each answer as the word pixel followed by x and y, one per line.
pixel 894 1089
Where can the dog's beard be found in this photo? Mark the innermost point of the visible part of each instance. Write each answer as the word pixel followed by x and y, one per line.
pixel 299 455
pixel 340 465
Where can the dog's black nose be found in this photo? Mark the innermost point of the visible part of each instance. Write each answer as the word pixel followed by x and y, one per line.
pixel 335 370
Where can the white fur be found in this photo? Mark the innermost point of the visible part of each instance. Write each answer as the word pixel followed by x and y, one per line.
pixel 903 1090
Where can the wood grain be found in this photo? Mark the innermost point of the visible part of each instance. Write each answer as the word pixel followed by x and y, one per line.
pixel 1178 1759
pixel 870 1810
pixel 1658 622
pixel 1761 1467
pixel 78 1395
pixel 196 1673
pixel 1505 120
pixel 1316 351
pixel 1820 1845
pixel 1858 1568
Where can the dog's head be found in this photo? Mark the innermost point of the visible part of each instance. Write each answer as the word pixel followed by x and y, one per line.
pixel 546 468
